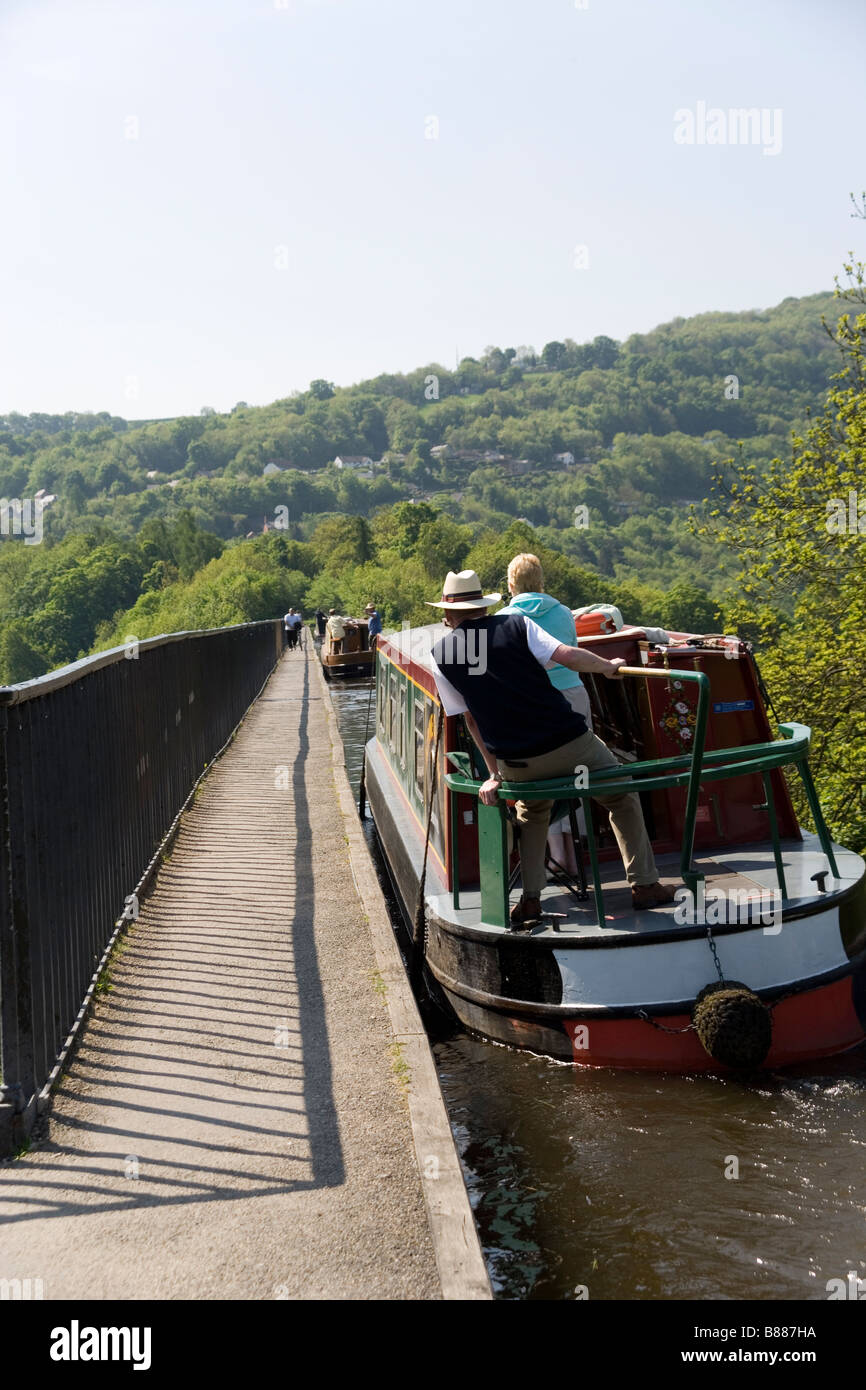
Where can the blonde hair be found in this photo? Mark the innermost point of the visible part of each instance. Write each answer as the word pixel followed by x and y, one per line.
pixel 525 575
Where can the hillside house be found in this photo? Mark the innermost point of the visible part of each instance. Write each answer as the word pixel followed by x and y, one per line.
pixel 356 463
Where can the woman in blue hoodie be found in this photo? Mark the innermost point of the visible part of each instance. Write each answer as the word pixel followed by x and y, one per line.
pixel 526 587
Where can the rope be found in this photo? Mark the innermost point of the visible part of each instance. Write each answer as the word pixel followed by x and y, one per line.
pixel 764 692
pixel 362 788
pixel 419 929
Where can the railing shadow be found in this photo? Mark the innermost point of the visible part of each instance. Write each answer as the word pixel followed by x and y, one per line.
pixel 100 1121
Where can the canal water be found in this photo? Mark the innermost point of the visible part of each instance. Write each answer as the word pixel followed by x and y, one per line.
pixel 626 1185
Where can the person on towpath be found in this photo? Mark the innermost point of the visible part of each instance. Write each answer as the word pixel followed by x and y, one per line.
pixel 292 622
pixel 491 669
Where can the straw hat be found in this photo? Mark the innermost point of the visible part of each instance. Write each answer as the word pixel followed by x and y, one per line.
pixel 463 591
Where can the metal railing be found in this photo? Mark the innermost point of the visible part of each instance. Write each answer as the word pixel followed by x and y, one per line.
pixel 96 761
pixel 690 770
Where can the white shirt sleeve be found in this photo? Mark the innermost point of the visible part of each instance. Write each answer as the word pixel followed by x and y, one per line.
pixel 541 644
pixel 452 701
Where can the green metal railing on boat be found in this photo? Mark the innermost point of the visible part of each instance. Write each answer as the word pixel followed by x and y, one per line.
pixel 689 770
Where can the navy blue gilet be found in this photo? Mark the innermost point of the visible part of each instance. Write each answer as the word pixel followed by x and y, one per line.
pixel 518 712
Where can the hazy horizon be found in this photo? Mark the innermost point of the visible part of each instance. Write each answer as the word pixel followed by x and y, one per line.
pixel 430 362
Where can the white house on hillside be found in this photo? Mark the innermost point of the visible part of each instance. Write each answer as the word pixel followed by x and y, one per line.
pixel 356 462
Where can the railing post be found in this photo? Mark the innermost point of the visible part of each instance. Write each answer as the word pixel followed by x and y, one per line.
pixel 597 891
pixel 493 863
pixel 817 814
pixel 692 877
pixel 454 819
pixel 767 778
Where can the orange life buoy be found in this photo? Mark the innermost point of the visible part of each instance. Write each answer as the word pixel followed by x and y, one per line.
pixel 594 624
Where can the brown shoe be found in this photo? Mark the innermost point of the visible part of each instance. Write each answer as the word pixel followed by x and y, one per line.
pixel 644 895
pixel 525 913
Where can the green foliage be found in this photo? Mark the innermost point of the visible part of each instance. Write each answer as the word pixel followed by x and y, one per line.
pixel 686 608
pixel 57 597
pixel 798 529
pixel 632 414
pixel 180 544
pixel 339 541
pixel 20 658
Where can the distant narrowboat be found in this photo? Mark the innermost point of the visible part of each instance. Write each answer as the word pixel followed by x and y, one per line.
pixel 350 655
pixel 765 912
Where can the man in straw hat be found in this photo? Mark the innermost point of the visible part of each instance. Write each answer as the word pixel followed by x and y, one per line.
pixel 492 671
pixel 374 622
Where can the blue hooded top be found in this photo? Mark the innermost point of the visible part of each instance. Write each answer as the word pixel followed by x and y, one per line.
pixel 556 619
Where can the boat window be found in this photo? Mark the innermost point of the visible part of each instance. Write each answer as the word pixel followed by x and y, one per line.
pixel 420 718
pixel 381 697
pixel 403 736
pixel 392 709
pixel 437 819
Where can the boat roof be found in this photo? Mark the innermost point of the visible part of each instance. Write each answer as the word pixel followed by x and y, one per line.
pixel 416 643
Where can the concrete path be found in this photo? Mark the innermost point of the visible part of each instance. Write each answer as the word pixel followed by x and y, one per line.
pixel 232 1124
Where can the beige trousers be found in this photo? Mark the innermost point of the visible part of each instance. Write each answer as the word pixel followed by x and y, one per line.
pixel 559 838
pixel 626 816
pixel 578 697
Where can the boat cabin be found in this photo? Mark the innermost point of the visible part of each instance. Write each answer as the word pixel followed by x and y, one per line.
pixel 351 654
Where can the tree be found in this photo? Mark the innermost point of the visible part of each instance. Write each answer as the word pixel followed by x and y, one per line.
pixel 339 541
pixel 322 390
pixel 442 545
pixel 605 352
pixel 75 489
pixel 399 528
pixel 20 657
pixel 798 529
pixel 553 356
pixel 688 608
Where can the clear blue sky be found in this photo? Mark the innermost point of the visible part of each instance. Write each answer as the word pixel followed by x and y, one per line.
pixel 281 215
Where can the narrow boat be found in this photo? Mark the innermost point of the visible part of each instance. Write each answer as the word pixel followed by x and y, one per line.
pixel 352 654
pixel 761 959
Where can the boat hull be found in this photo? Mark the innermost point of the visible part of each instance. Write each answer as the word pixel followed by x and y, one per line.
pixel 819 1022
pixel 348 663
pixel 572 999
